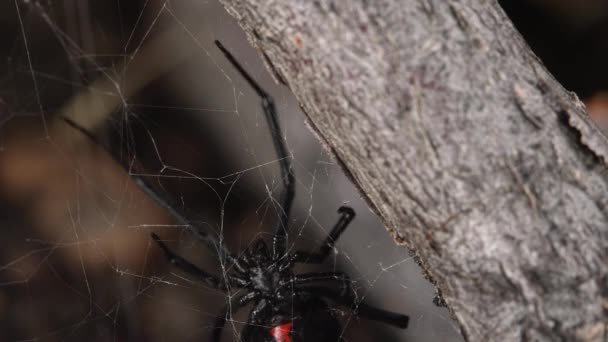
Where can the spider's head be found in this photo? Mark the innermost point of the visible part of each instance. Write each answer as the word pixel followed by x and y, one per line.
pixel 265 275
pixel 259 253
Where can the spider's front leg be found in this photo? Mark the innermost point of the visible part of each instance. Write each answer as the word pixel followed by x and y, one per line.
pixel 347 214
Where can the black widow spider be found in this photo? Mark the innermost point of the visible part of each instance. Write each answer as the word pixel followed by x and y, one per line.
pixel 285 307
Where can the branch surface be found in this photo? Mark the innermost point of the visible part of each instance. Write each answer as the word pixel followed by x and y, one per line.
pixel 472 154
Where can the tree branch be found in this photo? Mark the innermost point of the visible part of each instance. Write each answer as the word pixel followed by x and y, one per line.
pixel 469 150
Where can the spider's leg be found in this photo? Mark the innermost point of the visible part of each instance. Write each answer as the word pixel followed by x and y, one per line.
pixel 227 312
pixel 306 278
pixel 213 244
pixel 258 310
pixel 187 266
pixel 347 214
pixel 376 314
pixel 359 309
pixel 279 238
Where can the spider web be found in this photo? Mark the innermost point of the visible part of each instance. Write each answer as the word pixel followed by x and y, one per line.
pixel 77 261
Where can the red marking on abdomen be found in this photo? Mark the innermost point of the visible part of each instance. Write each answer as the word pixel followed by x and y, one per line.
pixel 282 333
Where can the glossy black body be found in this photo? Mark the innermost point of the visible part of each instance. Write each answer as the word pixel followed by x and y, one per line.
pixel 312 320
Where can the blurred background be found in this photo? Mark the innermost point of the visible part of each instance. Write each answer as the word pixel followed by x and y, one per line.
pixel 144 76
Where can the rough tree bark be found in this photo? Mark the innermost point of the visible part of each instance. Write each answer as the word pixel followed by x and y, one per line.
pixel 473 155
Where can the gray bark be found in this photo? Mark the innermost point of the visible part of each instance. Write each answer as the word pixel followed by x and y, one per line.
pixel 472 154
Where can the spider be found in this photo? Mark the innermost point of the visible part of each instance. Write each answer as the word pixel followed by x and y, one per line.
pixel 286 307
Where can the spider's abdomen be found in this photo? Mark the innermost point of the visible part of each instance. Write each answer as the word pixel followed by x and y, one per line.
pixel 308 320
pixel 282 333
pixel 316 323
